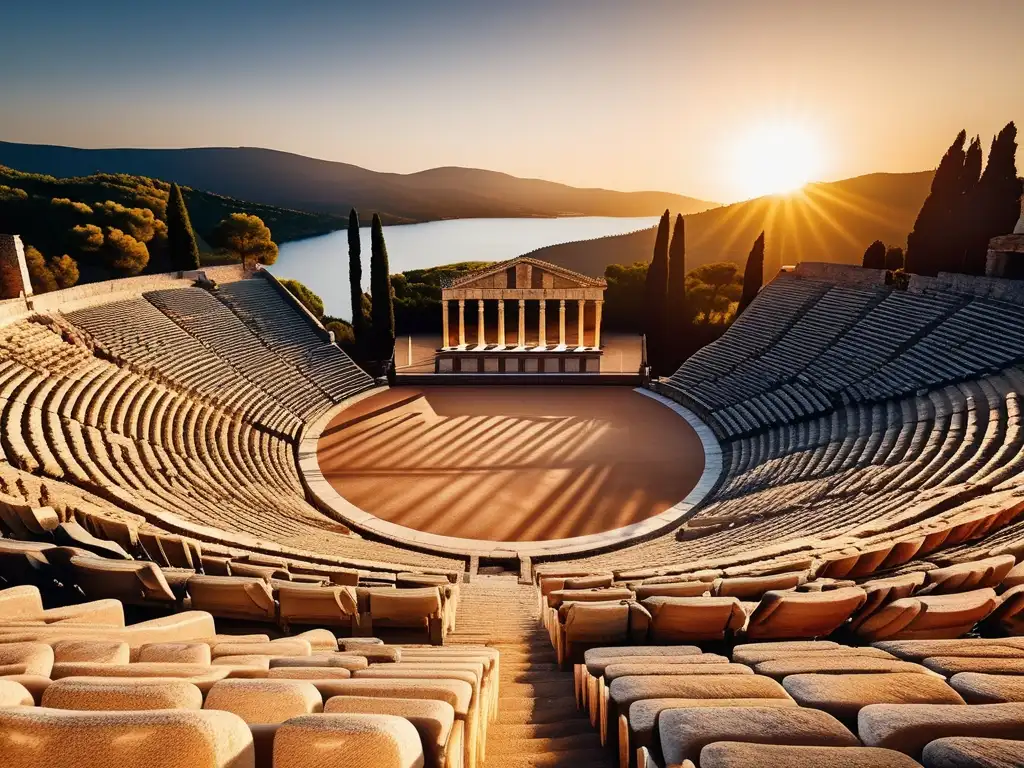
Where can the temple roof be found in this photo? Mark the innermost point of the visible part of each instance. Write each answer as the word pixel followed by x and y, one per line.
pixel 583 281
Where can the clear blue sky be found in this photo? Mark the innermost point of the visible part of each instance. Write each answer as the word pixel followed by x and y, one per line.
pixel 643 94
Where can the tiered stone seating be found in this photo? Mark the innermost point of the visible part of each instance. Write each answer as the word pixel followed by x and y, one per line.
pixel 139 334
pixel 441 698
pixel 886 473
pixel 827 345
pixel 160 555
pixel 666 709
pixel 257 303
pixel 199 313
pixel 158 450
pixel 833 314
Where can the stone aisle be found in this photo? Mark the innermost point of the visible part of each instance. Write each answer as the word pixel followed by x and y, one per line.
pixel 538 723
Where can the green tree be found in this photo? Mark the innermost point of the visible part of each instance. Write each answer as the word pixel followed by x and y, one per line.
pixel 87 237
pixel 141 223
pixel 39 273
pixel 309 300
pixel 928 243
pixel 355 281
pixel 181 240
pixel 382 311
pixel 343 335
pixel 68 204
pixel 894 258
pixel 958 225
pixel 678 315
pixel 124 253
pixel 656 297
pixel 247 237
pixel 713 292
pixel 753 274
pixel 624 297
pixel 874 256
pixel 50 274
pixel 994 207
pixel 65 271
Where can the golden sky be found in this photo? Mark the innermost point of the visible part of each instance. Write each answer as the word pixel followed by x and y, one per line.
pixel 645 94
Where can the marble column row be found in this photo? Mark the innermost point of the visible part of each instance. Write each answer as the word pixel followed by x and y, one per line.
pixel 480 337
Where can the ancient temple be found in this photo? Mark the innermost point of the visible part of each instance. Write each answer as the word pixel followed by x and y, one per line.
pixel 515 346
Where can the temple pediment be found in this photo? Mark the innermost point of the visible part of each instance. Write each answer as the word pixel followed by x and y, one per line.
pixel 525 273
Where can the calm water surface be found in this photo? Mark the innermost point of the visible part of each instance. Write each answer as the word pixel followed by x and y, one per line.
pixel 322 262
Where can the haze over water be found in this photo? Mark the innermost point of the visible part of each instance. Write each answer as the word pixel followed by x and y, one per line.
pixel 322 262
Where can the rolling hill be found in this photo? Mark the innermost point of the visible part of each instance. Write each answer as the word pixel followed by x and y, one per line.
pixel 303 183
pixel 45 211
pixel 828 221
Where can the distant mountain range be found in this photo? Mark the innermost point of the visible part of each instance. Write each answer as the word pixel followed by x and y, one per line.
pixel 319 186
pixel 833 221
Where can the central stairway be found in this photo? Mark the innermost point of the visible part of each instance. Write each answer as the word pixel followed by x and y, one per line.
pixel 538 723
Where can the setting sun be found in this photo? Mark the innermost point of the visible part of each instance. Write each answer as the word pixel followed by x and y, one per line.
pixel 775 158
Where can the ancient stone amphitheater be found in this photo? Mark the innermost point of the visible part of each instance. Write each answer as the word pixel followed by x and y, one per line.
pixel 846 590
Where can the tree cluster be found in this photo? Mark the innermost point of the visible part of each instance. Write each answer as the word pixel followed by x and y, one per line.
pixel 118 225
pixel 373 332
pixel 878 256
pixel 674 302
pixel 49 275
pixel 966 206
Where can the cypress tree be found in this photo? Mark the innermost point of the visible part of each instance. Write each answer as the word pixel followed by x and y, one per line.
pixel 382 307
pixel 656 297
pixel 753 275
pixel 894 258
pixel 678 317
pixel 928 242
pixel 995 204
pixel 355 279
pixel 874 256
pixel 960 228
pixel 181 239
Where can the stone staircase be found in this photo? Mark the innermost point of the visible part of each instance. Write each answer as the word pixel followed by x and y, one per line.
pixel 538 724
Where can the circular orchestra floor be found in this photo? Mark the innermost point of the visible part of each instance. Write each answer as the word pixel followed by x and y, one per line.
pixel 511 463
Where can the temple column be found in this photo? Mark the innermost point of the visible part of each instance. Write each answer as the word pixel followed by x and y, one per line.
pixel 444 321
pixel 597 323
pixel 543 326
pixel 522 323
pixel 480 322
pixel 501 322
pixel 462 322
pixel 561 322
pixel 580 339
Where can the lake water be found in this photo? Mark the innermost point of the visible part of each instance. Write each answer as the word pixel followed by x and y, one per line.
pixel 322 262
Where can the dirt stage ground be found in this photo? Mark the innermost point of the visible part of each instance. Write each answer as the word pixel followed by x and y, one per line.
pixel 512 463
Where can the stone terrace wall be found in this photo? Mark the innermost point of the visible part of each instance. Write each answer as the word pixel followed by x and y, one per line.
pixel 130 287
pixel 994 288
pixel 841 274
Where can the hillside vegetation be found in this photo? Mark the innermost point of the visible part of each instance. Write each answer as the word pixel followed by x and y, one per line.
pixel 418 294
pixel 114 225
pixel 833 221
pixel 304 183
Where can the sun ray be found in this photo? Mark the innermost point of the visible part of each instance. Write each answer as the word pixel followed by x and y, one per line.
pixel 851 203
pixel 830 220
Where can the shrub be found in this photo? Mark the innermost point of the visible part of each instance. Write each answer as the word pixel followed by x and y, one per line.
pixel 309 300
